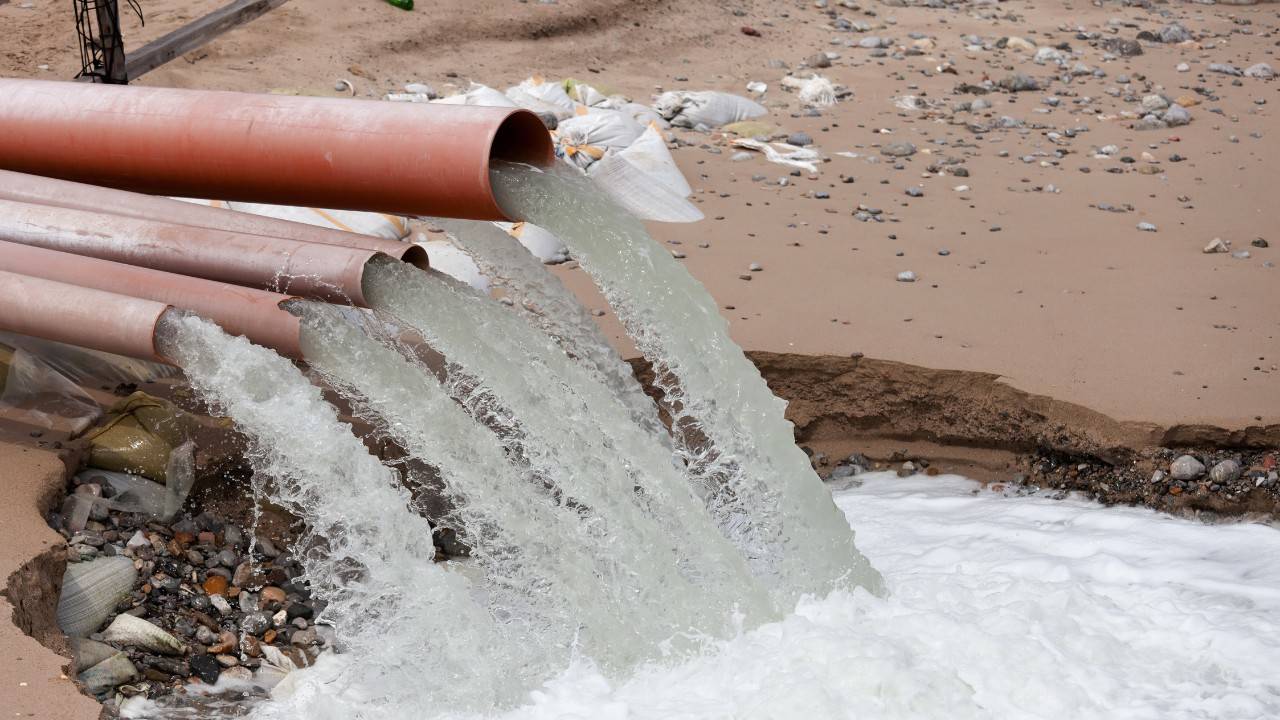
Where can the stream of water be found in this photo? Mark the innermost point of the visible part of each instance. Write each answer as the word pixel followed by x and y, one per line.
pixel 755 481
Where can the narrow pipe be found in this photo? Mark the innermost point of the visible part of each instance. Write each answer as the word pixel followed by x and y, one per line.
pixel 325 272
pixel 79 196
pixel 80 316
pixel 255 314
pixel 405 158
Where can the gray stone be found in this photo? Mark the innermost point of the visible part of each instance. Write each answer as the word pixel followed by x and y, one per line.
pixel 914 191
pixel 906 276
pixel 819 60
pixel 1225 69
pixel 900 149
pixel 799 138
pixel 1176 116
pixel 1186 468
pixel 1147 227
pixel 1225 472
pixel 1019 82
pixel 1261 71
pixel 1122 47
pixel 1174 33
pixel 256 623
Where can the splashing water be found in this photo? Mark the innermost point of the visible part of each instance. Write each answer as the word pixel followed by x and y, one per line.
pixel 575 432
pixel 553 576
pixel 364 552
pixel 550 306
pixel 757 484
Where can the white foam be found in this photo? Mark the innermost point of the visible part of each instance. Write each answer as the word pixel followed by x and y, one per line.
pixel 999 607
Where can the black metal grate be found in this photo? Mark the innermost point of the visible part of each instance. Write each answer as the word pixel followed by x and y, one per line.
pixel 101 47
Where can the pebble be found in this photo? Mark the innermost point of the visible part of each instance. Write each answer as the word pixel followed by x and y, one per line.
pixel 1225 472
pixel 1216 246
pixel 1146 227
pixel 906 276
pixel 914 191
pixel 900 149
pixel 800 139
pixel 206 667
pixel 1186 468
pixel 1261 71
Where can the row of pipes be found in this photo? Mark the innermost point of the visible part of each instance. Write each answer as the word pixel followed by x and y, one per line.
pixel 92 255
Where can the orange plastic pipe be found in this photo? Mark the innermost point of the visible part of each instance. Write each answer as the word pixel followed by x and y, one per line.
pixel 255 314
pixel 405 158
pixel 80 316
pixel 327 272
pixel 79 196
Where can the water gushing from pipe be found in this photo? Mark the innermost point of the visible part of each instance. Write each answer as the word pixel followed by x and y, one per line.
pixel 576 431
pixel 758 485
pixel 363 551
pixel 555 573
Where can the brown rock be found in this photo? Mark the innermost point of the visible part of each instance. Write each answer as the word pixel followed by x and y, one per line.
pixel 216 585
pixel 226 643
pixel 250 646
pixel 271 597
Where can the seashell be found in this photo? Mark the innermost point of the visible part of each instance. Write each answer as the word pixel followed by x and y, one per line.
pixel 136 632
pixel 103 677
pixel 86 653
pixel 90 591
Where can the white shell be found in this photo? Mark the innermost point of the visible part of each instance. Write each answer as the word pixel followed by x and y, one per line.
pixel 136 632
pixel 90 591
pixel 115 670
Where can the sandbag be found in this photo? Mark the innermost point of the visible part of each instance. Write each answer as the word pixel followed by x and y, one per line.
pixel 538 95
pixel 583 139
pixel 380 225
pixel 650 154
pixel 455 263
pixel 640 193
pixel 139 435
pixel 707 108
pixel 538 241
pixel 479 96
pixel 643 115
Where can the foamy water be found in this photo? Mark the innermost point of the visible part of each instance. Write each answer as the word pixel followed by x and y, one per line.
pixel 998 607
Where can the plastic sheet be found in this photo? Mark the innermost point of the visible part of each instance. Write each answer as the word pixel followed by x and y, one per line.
pixel 91 368
pixel 136 494
pixel 33 392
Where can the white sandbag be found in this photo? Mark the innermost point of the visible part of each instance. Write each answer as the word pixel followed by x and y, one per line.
pixel 539 95
pixel 382 225
pixel 539 242
pixel 650 153
pixel 707 108
pixel 644 115
pixel 479 96
pixel 584 139
pixel 455 263
pixel 641 193
pixel 591 97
